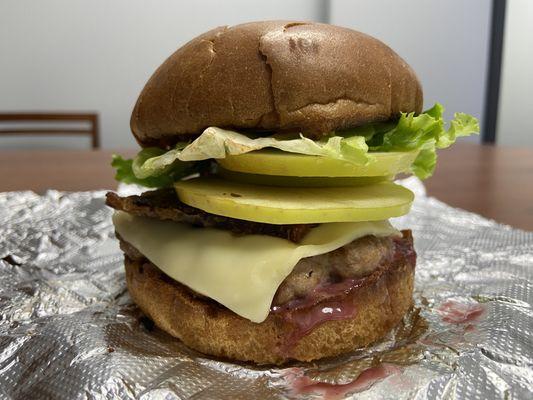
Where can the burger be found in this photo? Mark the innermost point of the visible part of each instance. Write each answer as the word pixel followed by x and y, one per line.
pixel 271 150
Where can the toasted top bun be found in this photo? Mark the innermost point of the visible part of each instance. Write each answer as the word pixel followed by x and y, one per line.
pixel 274 75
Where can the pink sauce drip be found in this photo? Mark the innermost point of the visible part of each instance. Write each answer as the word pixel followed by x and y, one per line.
pixel 454 312
pixel 404 250
pixel 307 319
pixel 331 391
pixel 321 292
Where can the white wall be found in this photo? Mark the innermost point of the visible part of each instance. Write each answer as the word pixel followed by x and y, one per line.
pixel 96 55
pixel 516 100
pixel 446 43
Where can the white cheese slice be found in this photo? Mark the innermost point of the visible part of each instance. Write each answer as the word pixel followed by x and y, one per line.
pixel 242 273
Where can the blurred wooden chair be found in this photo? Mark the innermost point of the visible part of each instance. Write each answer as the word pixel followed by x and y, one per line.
pixel 51 124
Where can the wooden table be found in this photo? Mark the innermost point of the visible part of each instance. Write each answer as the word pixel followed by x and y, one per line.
pixel 496 182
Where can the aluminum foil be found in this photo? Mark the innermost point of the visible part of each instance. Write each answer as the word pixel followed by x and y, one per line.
pixel 68 329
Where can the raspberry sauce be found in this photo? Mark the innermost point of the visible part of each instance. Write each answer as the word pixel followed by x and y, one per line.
pixel 331 391
pixel 457 313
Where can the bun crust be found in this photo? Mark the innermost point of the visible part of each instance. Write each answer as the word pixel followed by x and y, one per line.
pixel 212 329
pixel 274 75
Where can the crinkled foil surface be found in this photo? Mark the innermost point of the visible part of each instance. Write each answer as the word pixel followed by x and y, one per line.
pixel 68 329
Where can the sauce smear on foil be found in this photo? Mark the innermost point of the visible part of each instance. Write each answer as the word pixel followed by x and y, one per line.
pixel 457 313
pixel 331 391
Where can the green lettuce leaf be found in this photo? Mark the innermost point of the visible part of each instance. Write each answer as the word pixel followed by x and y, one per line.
pixel 124 173
pixel 218 143
pixel 146 170
pixel 426 132
pixel 461 125
pixel 425 163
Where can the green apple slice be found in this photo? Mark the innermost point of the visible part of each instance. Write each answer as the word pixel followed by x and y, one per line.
pixel 275 162
pixel 299 181
pixel 286 205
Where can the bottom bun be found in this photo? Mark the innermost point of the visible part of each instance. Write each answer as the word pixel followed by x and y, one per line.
pixel 204 325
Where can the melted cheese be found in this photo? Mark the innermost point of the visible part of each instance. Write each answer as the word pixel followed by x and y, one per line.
pixel 242 273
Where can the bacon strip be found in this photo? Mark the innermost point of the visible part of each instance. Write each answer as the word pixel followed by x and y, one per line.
pixel 164 204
